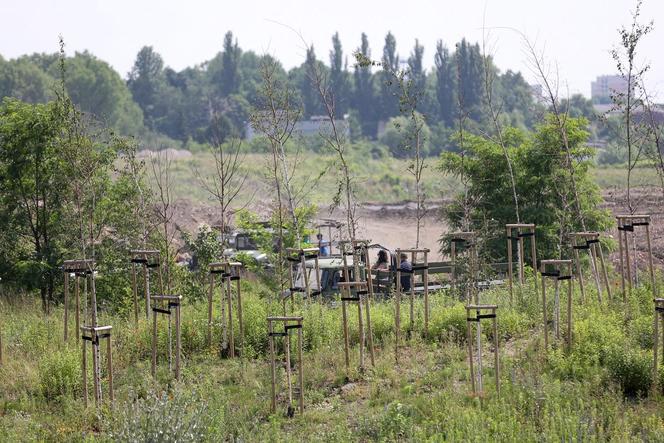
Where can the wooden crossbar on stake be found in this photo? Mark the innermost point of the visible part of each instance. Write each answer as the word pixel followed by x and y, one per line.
pixel 523 230
pixel 165 304
pixel 626 224
pixel 468 239
pixel 228 272
pixel 354 292
pixel 590 241
pixel 659 324
pixel 289 323
pixel 79 269
pixel 146 260
pixel 476 376
pixel 93 335
pixel 557 276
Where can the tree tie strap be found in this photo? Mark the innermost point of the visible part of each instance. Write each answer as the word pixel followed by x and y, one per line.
pixel 458 240
pixel 526 234
pixel 640 223
pixel 314 293
pixel 161 311
pixel 297 289
pixel 293 259
pixel 659 309
pixel 629 228
pixel 152 265
pixel 565 277
pixel 479 317
pixel 217 271
pixel 234 277
pixel 551 274
pixel 310 256
pixel 289 327
pixel 277 334
pixel 139 260
pixel 511 237
pixel 586 246
pixel 591 241
pixel 350 298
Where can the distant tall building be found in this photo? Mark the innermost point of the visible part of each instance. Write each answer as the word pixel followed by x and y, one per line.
pixel 605 86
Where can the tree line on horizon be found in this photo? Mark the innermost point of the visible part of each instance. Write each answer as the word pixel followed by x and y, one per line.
pixel 158 100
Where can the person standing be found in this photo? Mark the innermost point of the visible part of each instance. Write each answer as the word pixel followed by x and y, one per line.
pixel 407 276
pixel 323 248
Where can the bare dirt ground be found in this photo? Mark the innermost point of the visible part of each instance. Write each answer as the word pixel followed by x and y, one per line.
pixel 645 201
pixel 394 225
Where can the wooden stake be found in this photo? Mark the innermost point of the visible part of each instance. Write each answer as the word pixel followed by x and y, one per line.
pixel 288 326
pixel 650 261
pixel 510 273
pixel 480 313
pixel 66 303
pixel 134 291
pixel 622 263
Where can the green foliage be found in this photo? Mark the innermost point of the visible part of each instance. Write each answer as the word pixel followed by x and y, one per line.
pixel 631 369
pixel 60 374
pixel 542 179
pixel 205 248
pixel 160 418
pixel 398 132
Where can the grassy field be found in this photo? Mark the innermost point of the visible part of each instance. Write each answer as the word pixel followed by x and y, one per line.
pixel 384 180
pixel 381 180
pixel 596 392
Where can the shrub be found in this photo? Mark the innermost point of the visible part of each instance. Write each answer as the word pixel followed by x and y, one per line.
pixel 59 374
pixel 642 331
pixel 631 369
pixel 160 418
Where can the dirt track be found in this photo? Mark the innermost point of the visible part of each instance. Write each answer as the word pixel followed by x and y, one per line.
pixel 393 225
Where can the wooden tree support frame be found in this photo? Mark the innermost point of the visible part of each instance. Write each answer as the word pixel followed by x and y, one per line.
pixel 80 269
pixel 658 326
pixel 518 232
pixel 590 242
pixel 297 260
pixel 556 274
pixel 354 292
pixel 469 240
pixel 165 304
pixel 626 224
pixel 93 335
pixel 228 272
pixel 146 260
pixel 481 312
pixel 290 323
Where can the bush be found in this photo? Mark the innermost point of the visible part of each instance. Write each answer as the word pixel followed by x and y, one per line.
pixel 59 374
pixel 631 369
pixel 642 330
pixel 159 418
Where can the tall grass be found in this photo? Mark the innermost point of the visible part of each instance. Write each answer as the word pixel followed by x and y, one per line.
pixel 600 390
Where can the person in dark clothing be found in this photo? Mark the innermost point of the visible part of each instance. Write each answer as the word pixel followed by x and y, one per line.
pixel 406 277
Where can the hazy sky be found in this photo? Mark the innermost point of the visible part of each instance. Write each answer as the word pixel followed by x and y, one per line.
pixel 576 35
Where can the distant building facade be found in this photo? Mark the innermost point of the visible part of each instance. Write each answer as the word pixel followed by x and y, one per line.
pixel 314 126
pixel 605 86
